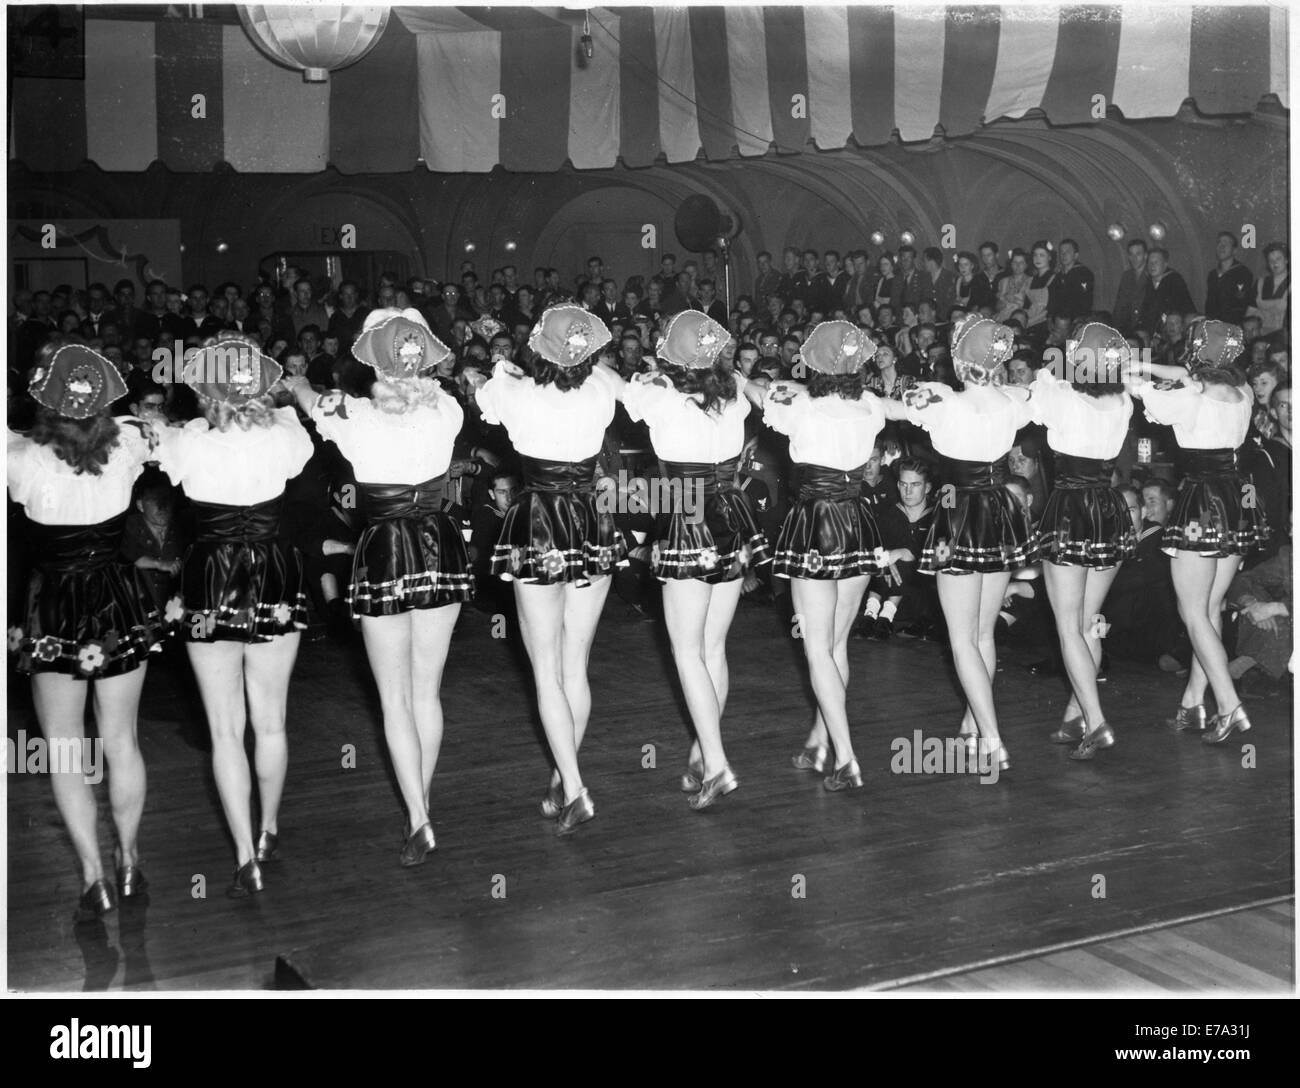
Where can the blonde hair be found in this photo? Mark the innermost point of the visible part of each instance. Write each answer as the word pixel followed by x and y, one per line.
pixel 401 395
pixel 256 412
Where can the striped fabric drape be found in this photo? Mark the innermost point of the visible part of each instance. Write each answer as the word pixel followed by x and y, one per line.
pixel 466 89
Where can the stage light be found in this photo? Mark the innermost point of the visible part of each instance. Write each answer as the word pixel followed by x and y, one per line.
pixel 470 247
pixel 1115 231
pixel 182 247
pixel 511 246
pixel 1157 231
pixel 877 238
pixel 907 237
pixel 222 247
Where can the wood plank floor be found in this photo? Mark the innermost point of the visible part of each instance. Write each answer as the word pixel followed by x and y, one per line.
pixel 912 875
pixel 1245 951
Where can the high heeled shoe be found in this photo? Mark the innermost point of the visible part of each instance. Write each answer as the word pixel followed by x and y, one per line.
pixel 810 759
pixel 1224 724
pixel 578 811
pixel 693 779
pixel 1101 737
pixel 1068 732
pixel 1189 719
pixel 998 755
pixel 719 785
pixel 972 743
pixel 843 777
pixel 553 803
pixel 417 846
pixel 96 901
pixel 248 881
pixel 131 882
pixel 268 847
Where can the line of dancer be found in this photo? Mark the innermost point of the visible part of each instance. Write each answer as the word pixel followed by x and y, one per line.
pixel 89 623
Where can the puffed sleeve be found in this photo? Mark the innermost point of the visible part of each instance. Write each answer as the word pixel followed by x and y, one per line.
pixel 926 404
pixel 1049 397
pixel 646 396
pixel 1169 406
pixel 497 394
pixel 18 450
pixel 1022 404
pixel 335 415
pixel 175 447
pixel 784 405
pixel 295 441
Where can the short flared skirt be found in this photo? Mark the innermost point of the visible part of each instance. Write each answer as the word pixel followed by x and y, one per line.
pixel 828 538
pixel 402 564
pixel 719 542
pixel 554 537
pixel 978 531
pixel 88 624
pixel 241 591
pixel 1216 515
pixel 1085 527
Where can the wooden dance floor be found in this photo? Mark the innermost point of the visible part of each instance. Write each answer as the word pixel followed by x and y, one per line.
pixel 913 877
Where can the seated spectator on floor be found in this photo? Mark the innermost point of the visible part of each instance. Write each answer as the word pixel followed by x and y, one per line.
pixel 878 486
pixel 1262 598
pixel 900 594
pixel 152 540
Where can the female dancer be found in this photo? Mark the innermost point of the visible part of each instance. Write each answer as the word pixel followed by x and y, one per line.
pixel 1211 526
pixel 981 532
pixel 88 617
pixel 242 589
pixel 554 545
pixel 410 572
pixel 706 544
pixel 1085 531
pixel 829 546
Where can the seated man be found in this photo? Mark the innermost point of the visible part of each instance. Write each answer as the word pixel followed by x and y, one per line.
pixel 1262 598
pixel 904 526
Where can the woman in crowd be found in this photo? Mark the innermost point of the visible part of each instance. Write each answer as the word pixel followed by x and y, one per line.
pixel 1212 526
pixel 243 591
pixel 882 376
pixel 1039 294
pixel 88 617
pixel 884 287
pixel 981 531
pixel 1084 531
pixel 410 570
pixel 967 265
pixel 707 543
pixel 555 547
pixel 1273 295
pixel 829 546
pixel 1013 288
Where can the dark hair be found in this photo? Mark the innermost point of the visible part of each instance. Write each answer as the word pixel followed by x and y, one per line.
pixel 1167 490
pixel 1222 375
pixel 919 465
pixel 1136 242
pixel 717 384
pixel 1278 247
pixel 990 245
pixel 563 378
pixel 933 253
pixel 847 386
pixel 1069 242
pixel 85 444
pixel 157 491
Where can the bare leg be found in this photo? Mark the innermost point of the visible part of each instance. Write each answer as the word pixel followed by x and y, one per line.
pixel 117 706
pixel 388 646
pixel 541 623
pixel 1200 585
pixel 60 708
pixel 815 601
pixel 686 610
pixel 582 610
pixel 960 595
pixel 431 630
pixel 722 610
pixel 219 669
pixel 267 668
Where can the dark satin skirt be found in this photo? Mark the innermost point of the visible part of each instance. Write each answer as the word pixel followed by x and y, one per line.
pixel 830 531
pixel 1217 512
pixel 979 526
pixel 410 555
pixel 554 532
pixel 241 584
pixel 710 534
pixel 1086 522
pixel 87 614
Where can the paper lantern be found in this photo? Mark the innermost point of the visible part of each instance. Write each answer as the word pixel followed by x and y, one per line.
pixel 316 39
